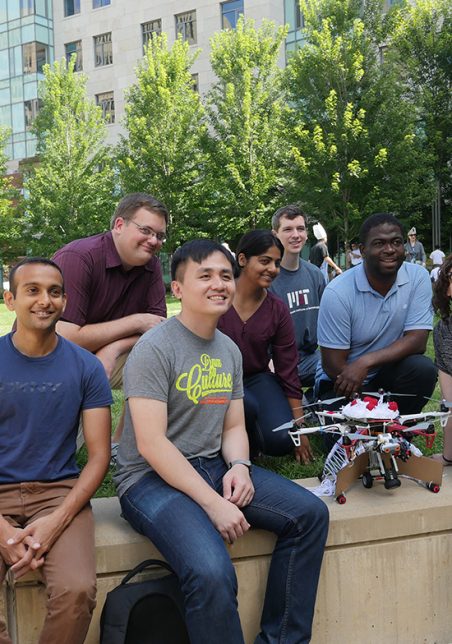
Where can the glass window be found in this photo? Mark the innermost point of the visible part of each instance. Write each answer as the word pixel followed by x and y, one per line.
pixel 186 26
pixel 18 117
pixel 100 3
pixel 230 12
pixel 299 17
pixel 106 102
pixel 31 109
pixel 74 48
pixel 149 28
pixel 71 7
pixel 103 52
pixel 27 7
pixel 35 56
pixel 4 64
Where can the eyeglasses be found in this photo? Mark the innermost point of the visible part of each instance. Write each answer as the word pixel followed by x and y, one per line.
pixel 148 232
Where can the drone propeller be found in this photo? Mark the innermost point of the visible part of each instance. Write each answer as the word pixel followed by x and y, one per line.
pixel 386 393
pixel 329 401
pixel 446 403
pixel 290 423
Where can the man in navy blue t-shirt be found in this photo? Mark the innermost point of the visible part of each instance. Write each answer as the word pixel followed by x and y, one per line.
pixel 46 384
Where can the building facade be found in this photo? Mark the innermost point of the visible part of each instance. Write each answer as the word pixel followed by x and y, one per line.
pixel 26 45
pixel 108 37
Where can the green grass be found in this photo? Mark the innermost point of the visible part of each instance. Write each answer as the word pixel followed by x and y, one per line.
pixel 6 319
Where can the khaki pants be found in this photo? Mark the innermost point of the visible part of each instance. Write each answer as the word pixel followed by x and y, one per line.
pixel 69 570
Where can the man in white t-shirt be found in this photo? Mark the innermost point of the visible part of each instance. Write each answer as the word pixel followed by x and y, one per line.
pixel 437 256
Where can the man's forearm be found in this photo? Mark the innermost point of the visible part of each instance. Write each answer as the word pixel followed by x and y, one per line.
pixel 407 345
pixel 95 336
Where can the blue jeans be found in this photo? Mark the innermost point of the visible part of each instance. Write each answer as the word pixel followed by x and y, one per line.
pixel 266 407
pixel 186 537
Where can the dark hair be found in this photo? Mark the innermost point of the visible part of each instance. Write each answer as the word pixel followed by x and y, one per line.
pixel 441 301
pixel 30 260
pixel 291 212
pixel 198 250
pixel 129 204
pixel 378 219
pixel 256 242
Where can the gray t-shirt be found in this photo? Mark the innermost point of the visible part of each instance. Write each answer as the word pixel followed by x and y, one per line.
pixel 196 378
pixel 302 291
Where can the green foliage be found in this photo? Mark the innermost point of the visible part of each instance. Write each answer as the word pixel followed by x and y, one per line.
pixel 162 153
pixel 71 189
pixel 421 48
pixel 245 142
pixel 11 210
pixel 354 141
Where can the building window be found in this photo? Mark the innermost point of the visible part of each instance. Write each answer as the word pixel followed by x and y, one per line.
pixel 186 26
pixel 35 55
pixel 71 7
pixel 195 79
pixel 100 3
pixel 31 109
pixel 149 28
pixel 74 48
pixel 103 51
pixel 27 7
pixel 230 12
pixel 299 17
pixel 106 102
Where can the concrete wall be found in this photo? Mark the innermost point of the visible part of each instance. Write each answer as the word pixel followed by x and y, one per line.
pixel 386 577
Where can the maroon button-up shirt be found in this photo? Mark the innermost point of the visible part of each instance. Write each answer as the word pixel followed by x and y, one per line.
pixel 99 289
pixel 269 332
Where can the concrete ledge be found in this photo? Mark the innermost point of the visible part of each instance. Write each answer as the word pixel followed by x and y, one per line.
pixel 386 577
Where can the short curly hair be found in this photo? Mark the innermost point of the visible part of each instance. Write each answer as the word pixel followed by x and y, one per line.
pixel 441 300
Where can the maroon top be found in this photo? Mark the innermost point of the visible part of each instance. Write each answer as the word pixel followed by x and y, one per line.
pixel 268 333
pixel 98 287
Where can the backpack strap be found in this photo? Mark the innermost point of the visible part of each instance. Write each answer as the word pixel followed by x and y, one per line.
pixel 148 563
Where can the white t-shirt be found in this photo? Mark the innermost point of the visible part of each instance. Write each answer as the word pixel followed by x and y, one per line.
pixel 437 256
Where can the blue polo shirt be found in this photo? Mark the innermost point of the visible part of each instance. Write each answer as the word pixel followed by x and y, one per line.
pixel 354 316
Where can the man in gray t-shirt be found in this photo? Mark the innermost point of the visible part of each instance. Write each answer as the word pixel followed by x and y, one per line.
pixel 300 285
pixel 184 476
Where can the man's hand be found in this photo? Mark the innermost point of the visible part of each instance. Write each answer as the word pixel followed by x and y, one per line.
pixel 228 519
pixel 351 378
pixel 18 551
pixel 304 454
pixel 146 321
pixel 237 485
pixel 43 532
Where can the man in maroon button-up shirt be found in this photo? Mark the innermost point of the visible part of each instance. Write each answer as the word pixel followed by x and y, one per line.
pixel 114 283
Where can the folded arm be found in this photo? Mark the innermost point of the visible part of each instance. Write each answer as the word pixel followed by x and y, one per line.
pixel 349 377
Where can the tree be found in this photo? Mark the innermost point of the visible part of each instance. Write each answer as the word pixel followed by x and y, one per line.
pixel 11 211
pixel 161 153
pixel 355 145
pixel 71 187
pixel 245 143
pixel 422 49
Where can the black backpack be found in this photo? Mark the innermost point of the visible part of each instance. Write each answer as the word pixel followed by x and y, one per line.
pixel 145 612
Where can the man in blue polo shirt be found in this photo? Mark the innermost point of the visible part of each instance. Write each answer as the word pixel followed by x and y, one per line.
pixel 374 322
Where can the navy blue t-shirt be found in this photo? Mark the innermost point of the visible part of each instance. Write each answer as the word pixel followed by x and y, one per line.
pixel 41 400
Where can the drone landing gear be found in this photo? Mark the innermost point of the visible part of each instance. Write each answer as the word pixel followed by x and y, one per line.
pixel 423 469
pixel 367 480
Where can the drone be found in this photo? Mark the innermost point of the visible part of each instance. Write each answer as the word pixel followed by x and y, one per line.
pixel 374 442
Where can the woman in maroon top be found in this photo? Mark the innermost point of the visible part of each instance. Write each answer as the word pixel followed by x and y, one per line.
pixel 261 326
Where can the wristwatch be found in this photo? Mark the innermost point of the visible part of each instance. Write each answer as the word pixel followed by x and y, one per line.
pixel 241 461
